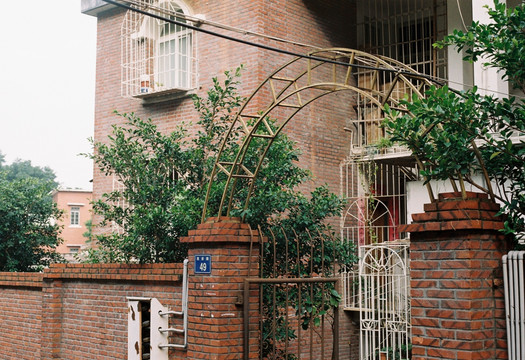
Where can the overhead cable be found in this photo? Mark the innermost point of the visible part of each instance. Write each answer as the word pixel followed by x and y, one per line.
pixel 274 49
pixel 461 16
pixel 198 20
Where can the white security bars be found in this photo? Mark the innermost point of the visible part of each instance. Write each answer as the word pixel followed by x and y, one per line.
pixel 157 56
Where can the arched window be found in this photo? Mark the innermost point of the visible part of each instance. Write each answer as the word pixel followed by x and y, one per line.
pixel 157 56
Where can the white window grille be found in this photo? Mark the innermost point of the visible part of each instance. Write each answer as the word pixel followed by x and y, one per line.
pixel 375 196
pixel 376 204
pixel 157 56
pixel 404 31
pixel 74 216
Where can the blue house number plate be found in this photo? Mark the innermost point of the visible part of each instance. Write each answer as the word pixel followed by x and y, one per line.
pixel 202 264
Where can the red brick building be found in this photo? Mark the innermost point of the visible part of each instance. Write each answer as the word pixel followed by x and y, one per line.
pixel 318 131
pixel 151 68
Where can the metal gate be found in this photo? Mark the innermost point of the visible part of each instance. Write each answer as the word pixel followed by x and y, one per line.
pixel 384 284
pixel 298 288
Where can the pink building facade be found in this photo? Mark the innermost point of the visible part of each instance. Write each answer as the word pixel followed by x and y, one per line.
pixel 76 205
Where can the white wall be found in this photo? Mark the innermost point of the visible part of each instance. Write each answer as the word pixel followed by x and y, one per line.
pixel 460 73
pixel 417 194
pixel 487 77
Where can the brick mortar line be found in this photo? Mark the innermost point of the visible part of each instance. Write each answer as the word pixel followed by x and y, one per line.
pixel 18 285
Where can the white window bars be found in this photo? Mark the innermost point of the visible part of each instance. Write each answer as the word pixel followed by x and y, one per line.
pixel 158 57
pixel 403 31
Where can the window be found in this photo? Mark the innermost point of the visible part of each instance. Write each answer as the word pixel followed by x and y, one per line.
pixel 74 249
pixel 74 216
pixel 405 31
pixel 173 50
pixel 157 55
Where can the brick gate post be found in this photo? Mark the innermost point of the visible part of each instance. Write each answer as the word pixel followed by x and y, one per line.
pixel 458 311
pixel 221 255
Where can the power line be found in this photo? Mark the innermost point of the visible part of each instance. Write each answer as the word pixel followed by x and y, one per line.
pixel 200 21
pixel 434 79
pixel 274 49
pixel 485 89
pixel 461 15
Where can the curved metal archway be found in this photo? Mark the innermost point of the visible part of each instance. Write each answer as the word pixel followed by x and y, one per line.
pixel 295 85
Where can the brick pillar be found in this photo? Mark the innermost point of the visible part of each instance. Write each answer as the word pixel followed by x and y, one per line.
pixel 215 309
pixel 51 316
pixel 457 293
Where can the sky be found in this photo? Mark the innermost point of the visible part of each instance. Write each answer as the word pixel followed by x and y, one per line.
pixel 47 77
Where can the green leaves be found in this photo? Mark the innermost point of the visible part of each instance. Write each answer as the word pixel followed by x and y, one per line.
pixel 459 135
pixel 22 169
pixel 501 42
pixel 160 181
pixel 436 129
pixel 29 234
pixel 146 167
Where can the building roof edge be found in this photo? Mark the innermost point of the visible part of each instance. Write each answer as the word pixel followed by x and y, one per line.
pixel 94 7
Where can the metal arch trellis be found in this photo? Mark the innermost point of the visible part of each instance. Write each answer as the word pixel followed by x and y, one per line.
pixel 311 80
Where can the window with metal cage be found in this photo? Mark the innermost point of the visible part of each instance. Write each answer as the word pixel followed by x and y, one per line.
pixel 157 55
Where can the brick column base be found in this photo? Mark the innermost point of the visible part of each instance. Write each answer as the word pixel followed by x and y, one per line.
pixel 458 310
pixel 215 309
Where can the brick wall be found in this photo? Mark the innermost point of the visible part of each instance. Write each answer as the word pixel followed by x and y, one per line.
pixel 215 300
pixel 79 311
pixel 20 315
pixel 317 129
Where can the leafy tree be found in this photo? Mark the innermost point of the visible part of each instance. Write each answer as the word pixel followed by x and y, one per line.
pixel 21 169
pixel 28 230
pixel 498 44
pixel 164 179
pixel 458 134
pixel 88 234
